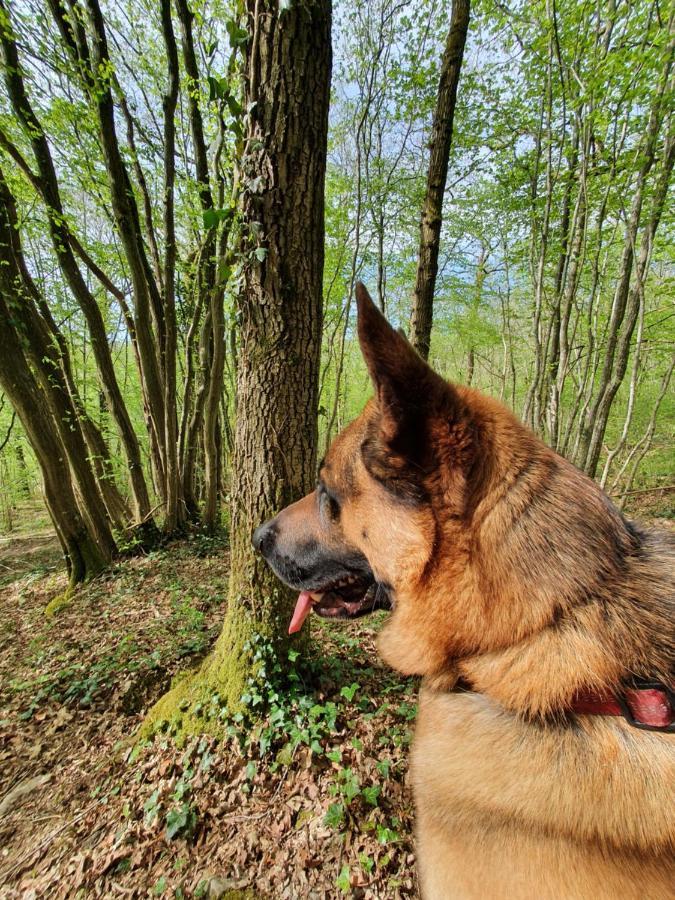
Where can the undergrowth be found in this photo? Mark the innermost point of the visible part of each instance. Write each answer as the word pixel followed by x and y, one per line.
pixel 289 706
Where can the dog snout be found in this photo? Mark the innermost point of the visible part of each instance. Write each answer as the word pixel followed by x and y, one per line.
pixel 264 538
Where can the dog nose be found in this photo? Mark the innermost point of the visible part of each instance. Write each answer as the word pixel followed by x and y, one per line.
pixel 263 538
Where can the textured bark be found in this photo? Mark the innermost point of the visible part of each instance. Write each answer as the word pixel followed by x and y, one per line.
pixel 175 510
pixel 289 60
pixel 432 211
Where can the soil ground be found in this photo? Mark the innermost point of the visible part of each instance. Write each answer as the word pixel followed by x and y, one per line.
pixel 86 813
pixel 82 814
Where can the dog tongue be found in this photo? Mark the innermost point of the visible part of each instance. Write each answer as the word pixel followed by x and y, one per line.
pixel 302 609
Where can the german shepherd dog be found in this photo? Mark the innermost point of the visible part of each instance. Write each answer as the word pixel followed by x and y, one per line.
pixel 516 589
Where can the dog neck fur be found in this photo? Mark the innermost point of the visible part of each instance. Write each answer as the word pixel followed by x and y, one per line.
pixel 508 517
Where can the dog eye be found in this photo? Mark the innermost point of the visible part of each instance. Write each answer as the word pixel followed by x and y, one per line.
pixel 328 505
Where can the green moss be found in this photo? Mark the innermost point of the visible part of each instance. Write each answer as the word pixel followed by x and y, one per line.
pixel 58 604
pixel 187 708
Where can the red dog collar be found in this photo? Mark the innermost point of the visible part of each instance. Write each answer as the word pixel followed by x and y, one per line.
pixel 649 705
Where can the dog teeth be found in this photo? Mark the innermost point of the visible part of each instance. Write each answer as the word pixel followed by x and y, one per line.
pixel 342 582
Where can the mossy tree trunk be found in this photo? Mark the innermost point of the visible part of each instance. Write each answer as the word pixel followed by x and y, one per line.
pixel 288 69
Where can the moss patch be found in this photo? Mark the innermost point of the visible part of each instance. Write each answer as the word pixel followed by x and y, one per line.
pixel 196 699
pixel 59 603
pixel 201 700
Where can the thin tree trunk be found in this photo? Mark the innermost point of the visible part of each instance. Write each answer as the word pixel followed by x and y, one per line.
pixel 174 509
pixel 432 211
pixel 47 185
pixel 94 64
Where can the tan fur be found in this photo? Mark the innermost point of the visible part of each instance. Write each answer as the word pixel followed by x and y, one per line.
pixel 512 570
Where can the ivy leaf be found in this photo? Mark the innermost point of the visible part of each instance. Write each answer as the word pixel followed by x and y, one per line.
pixel 180 820
pixel 213 216
pixel 349 692
pixel 335 815
pixel 210 218
pixel 218 89
pixel 343 882
pixel 371 794
pixel 235 107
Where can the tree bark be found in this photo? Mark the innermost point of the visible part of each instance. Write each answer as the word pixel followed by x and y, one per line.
pixel 174 510
pixel 288 65
pixel 432 211
pixel 281 306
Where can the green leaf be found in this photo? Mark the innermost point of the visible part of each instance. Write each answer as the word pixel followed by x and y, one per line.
pixel 349 692
pixel 213 216
pixel 383 767
pixel 238 36
pixel 342 882
pixel 180 820
pixel 335 815
pixel 224 273
pixel 210 218
pixel 218 88
pixel 151 807
pixel 372 794
pixel 261 253
pixel 385 835
pixel 235 107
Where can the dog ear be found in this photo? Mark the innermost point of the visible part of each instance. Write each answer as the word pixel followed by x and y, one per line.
pixel 406 387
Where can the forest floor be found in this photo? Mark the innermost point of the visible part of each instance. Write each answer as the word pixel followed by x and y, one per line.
pixel 85 813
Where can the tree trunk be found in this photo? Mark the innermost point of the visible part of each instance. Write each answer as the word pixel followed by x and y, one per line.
pixel 36 342
pixel 288 66
pixel 48 187
pixel 175 510
pixel 432 211
pixel 84 555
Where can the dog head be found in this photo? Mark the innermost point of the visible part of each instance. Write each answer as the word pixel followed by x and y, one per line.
pixel 393 491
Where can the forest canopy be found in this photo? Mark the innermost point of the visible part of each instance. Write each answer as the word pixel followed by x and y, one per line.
pixel 127 158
